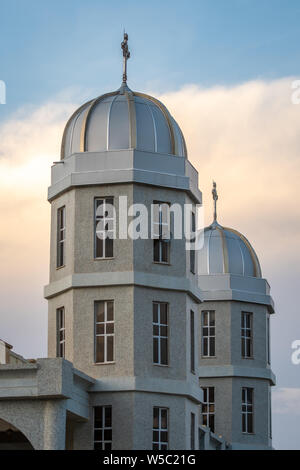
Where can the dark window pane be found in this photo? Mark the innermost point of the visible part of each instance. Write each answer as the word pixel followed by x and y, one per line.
pixel 164 419
pixel 164 447
pixel 155 417
pixel 99 247
pixel 211 394
pixel 164 436
pixel 110 348
pixel 204 420
pixel 163 331
pixel 156 250
pixel 100 349
pixel 205 318
pixel 99 311
pixel 243 422
pixel 100 328
pixel 205 346
pixel 107 446
pixel 155 447
pixel 212 347
pixel 155 350
pixel 212 423
pixel 165 251
pixel 98 446
pixel 155 330
pixel 164 313
pixel 109 328
pixel 98 416
pixel 155 436
pixel 250 423
pixel 98 435
pixel 107 434
pixel 155 313
pixel 108 414
pixel 164 350
pixel 110 311
pixel 109 245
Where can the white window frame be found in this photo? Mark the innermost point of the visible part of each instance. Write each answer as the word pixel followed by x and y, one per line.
pixel 247 409
pixel 246 334
pixel 105 335
pixel 161 230
pixel 61 332
pixel 61 237
pixel 268 339
pixel 103 442
pixel 159 336
pixel 192 342
pixel 106 220
pixel 209 336
pixel 193 239
pixel 161 444
pixel 209 406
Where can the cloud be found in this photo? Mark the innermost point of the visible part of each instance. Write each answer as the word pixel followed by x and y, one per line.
pixel 30 142
pixel 247 138
pixel 286 401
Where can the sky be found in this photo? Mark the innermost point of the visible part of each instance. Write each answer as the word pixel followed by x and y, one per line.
pixel 225 71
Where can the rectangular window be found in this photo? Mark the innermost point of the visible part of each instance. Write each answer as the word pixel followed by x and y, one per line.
pixel 61 332
pixel 160 437
pixel 160 333
pixel 193 252
pixel 161 232
pixel 61 237
pixel 268 341
pixel 247 334
pixel 102 427
pixel 104 227
pixel 192 431
pixel 208 407
pixel 104 331
pixel 208 333
pixel 192 339
pixel 247 410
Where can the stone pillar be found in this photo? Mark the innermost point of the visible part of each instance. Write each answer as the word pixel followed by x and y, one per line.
pixel 54 425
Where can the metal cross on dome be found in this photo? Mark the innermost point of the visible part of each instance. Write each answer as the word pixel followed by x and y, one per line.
pixel 215 198
pixel 126 55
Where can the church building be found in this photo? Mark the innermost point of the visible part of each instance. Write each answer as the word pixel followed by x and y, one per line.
pixel 150 345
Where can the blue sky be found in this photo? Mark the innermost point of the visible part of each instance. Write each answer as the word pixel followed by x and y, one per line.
pixel 52 50
pixel 51 45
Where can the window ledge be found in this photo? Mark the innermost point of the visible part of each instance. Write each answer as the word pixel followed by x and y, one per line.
pixel 104 363
pixel 104 259
pixel 161 365
pixel 60 267
pixel 162 262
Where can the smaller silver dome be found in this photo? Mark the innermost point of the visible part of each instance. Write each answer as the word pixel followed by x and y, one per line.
pixel 227 251
pixel 121 120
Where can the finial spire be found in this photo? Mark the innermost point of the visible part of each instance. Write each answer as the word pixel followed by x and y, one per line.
pixel 215 198
pixel 126 55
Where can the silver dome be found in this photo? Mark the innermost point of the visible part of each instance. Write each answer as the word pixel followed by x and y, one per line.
pixel 123 120
pixel 227 251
